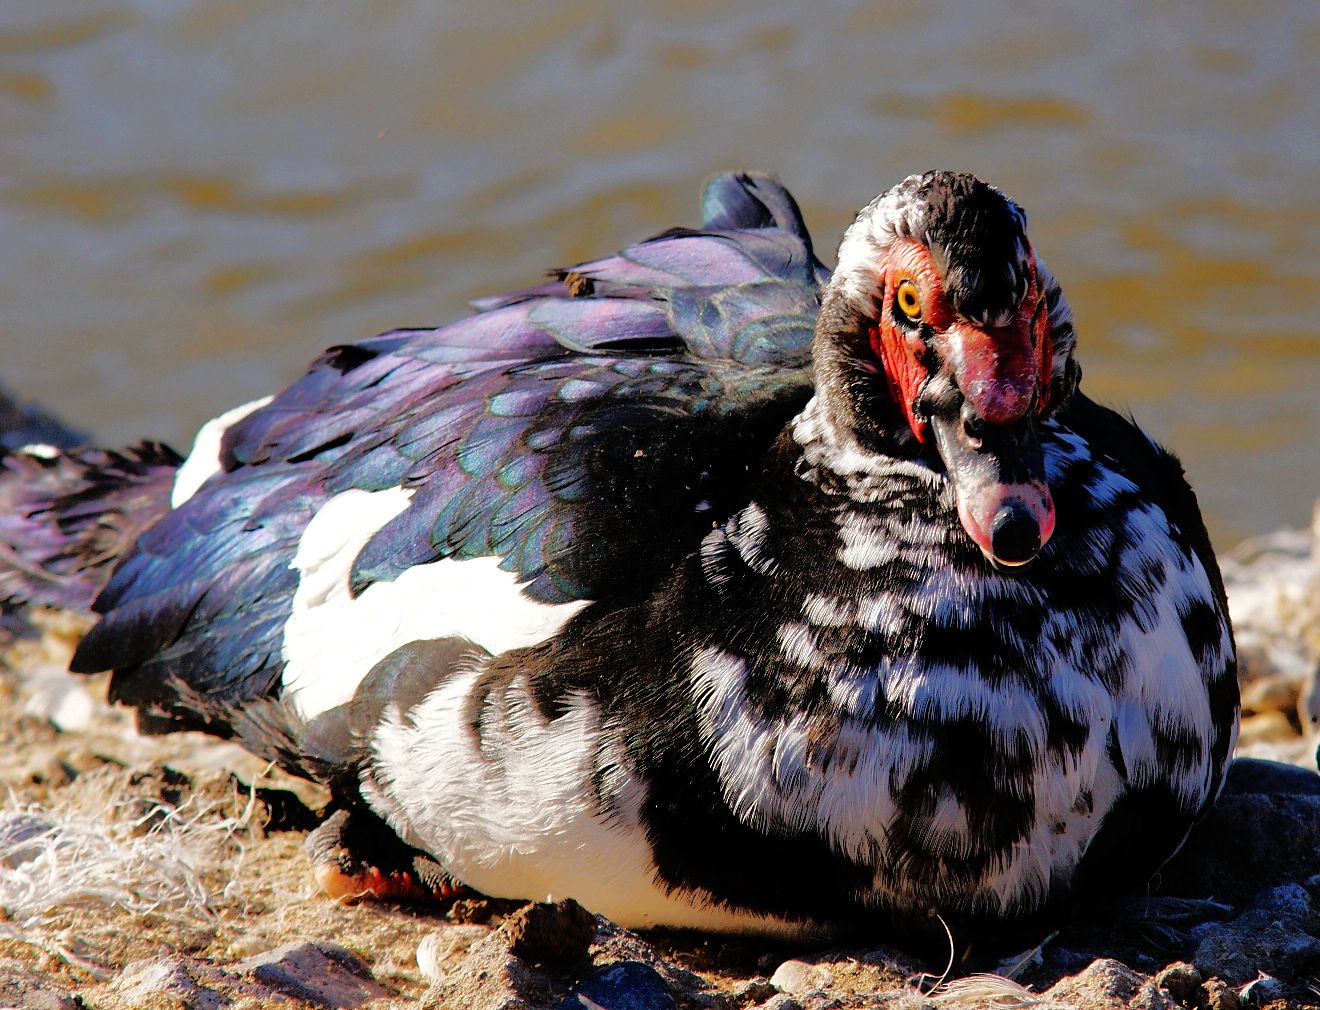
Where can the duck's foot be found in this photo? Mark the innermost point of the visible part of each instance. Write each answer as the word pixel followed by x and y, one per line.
pixel 356 857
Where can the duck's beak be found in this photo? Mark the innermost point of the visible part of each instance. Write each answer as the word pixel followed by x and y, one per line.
pixel 998 477
pixel 991 446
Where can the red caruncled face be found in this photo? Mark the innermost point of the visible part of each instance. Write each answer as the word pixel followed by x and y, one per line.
pixel 990 445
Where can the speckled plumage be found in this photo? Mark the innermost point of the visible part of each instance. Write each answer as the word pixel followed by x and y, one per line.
pixel 711 589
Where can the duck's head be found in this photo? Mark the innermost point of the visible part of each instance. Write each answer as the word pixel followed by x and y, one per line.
pixel 942 332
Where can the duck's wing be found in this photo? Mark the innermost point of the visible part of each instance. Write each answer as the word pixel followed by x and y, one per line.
pixel 586 432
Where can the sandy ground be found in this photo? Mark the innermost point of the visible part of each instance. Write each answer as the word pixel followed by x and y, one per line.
pixel 190 862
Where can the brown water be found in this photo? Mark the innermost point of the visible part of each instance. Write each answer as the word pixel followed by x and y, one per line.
pixel 195 197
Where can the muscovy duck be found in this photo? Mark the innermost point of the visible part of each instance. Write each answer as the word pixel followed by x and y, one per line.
pixel 698 583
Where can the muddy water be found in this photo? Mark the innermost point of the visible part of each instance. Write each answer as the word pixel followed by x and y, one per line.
pixel 197 195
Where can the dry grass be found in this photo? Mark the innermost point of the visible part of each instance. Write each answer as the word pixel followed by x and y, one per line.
pixel 985 991
pixel 72 872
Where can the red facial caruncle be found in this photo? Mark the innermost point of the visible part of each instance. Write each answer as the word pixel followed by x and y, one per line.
pixel 990 448
pixel 998 369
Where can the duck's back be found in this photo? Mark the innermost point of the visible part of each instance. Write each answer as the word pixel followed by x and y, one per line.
pixel 568 443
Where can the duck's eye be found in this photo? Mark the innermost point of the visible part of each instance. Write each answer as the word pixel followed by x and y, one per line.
pixel 907 300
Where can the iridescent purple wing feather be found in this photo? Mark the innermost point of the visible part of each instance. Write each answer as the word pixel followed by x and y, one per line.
pixel 556 429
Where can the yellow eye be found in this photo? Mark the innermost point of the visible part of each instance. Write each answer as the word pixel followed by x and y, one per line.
pixel 907 299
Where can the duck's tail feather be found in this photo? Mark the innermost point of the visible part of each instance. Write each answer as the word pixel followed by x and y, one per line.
pixel 68 517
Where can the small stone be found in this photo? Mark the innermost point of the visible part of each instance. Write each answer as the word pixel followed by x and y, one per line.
pixel 184 983
pixel 22 837
pixel 60 697
pixel 753 990
pixel 794 976
pixel 490 977
pixel 624 985
pixel 480 911
pixel 317 972
pixel 870 973
pixel 1275 935
pixel 1109 983
pixel 1286 899
pixel 1219 995
pixel 1181 981
pixel 246 943
pixel 578 285
pixel 469 911
pixel 781 1002
pixel 29 992
pixel 614 943
pixel 143 983
pixel 556 934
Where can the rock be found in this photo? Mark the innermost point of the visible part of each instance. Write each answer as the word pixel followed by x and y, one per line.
pixel 29 992
pixel 1274 935
pixel 557 935
pixel 481 911
pixel 795 976
pixel 1109 983
pixel 1181 981
pixel 897 999
pixel 1219 995
pixel 23 837
pixel 168 980
pixel 624 985
pixel 178 982
pixel 781 1002
pixel 614 943
pixel 318 972
pixel 438 953
pixel 1290 900
pixel 1249 841
pixel 1251 775
pixel 60 697
pixel 846 972
pixel 491 977
pixel 753 990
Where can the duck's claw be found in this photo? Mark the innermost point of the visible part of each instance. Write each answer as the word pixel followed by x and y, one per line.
pixel 393 871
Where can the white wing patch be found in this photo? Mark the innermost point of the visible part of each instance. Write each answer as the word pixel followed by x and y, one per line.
pixel 204 461
pixel 333 639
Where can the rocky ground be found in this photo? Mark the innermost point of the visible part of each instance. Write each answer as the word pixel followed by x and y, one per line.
pixel 168 872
